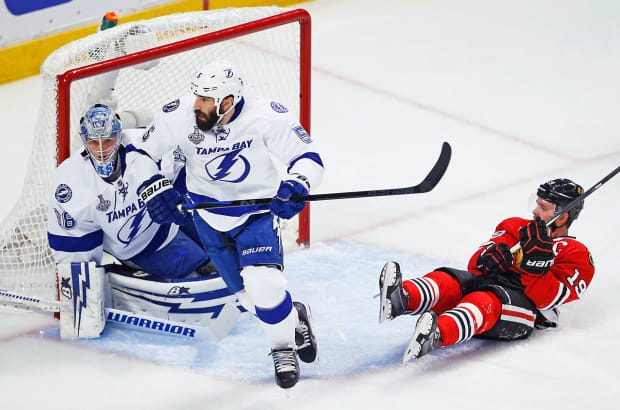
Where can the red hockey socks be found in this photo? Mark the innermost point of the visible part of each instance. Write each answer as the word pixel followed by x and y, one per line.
pixel 437 291
pixel 476 313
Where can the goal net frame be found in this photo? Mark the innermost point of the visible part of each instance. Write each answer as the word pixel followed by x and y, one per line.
pixel 27 272
pixel 300 16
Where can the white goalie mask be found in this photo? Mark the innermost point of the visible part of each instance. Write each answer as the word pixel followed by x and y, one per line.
pixel 100 131
pixel 218 80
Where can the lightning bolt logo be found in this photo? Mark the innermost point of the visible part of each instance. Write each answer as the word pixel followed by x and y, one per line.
pixel 229 164
pixel 133 227
pixel 80 278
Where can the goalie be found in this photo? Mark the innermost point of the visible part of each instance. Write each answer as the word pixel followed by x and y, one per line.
pixel 95 208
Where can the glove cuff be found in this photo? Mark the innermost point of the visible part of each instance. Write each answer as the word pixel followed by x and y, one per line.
pixel 155 188
pixel 300 179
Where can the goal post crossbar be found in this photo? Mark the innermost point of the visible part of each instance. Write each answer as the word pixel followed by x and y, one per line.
pixel 299 15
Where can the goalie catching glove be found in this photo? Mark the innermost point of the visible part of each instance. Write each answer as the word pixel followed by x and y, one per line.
pixel 161 200
pixel 537 247
pixel 282 205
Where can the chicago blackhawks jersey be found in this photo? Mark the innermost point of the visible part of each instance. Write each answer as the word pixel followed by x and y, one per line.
pixel 566 280
pixel 235 160
pixel 88 215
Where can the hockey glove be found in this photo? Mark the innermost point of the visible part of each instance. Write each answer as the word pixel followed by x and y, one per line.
pixel 161 200
pixel 537 247
pixel 281 206
pixel 495 259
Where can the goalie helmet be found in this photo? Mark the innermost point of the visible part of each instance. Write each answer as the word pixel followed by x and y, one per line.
pixel 218 80
pixel 561 192
pixel 100 131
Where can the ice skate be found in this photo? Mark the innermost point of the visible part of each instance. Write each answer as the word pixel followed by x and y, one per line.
pixel 286 367
pixel 307 348
pixel 394 299
pixel 426 337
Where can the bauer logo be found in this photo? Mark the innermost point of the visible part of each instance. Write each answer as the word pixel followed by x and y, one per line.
pixel 63 193
pixel 19 7
pixel 258 249
pixel 277 107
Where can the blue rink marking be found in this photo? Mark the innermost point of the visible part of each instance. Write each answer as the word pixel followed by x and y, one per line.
pixel 338 280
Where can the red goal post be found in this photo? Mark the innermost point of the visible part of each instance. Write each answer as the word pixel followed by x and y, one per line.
pixel 294 16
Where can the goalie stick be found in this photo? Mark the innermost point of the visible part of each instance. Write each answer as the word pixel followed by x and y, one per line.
pixel 427 184
pixel 573 203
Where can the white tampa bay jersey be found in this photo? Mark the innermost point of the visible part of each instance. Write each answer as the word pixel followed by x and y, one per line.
pixel 87 215
pixel 235 160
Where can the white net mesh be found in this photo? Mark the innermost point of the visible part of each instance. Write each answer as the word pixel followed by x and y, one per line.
pixel 269 60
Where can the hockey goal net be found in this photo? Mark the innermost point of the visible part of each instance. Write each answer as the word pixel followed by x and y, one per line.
pixel 271 45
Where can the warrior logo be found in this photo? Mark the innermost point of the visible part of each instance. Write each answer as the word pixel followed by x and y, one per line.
pixel 65 288
pixel 228 167
pixel 103 204
pixel 196 137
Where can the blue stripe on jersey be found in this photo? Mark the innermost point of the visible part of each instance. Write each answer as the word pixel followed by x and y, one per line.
pixel 238 109
pixel 84 243
pixel 310 155
pixel 235 211
pixel 132 148
pixel 276 314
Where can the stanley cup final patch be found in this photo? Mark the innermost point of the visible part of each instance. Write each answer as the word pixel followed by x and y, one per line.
pixel 302 134
pixel 196 137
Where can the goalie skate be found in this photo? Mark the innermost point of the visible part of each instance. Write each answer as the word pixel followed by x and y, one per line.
pixel 307 348
pixel 286 367
pixel 394 299
pixel 426 337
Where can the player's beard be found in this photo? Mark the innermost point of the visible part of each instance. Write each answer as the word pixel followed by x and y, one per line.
pixel 205 121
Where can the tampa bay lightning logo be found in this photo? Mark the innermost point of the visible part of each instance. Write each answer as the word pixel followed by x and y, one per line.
pixel 63 193
pixel 171 106
pixel 228 167
pixel 277 107
pixel 133 227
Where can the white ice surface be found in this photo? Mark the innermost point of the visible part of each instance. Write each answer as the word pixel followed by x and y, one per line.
pixel 524 91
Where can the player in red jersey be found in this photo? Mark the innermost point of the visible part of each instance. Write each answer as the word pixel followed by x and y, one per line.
pixel 501 296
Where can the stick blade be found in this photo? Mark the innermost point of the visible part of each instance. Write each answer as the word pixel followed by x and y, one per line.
pixel 435 175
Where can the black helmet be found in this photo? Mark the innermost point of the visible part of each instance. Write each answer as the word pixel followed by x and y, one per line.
pixel 560 192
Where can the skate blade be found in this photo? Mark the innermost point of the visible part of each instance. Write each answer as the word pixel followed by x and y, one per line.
pixel 383 305
pixel 415 346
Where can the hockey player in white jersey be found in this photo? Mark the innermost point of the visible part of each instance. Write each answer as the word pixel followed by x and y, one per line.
pixel 94 208
pixel 229 139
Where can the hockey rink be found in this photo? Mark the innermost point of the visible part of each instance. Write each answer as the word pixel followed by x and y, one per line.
pixel 524 91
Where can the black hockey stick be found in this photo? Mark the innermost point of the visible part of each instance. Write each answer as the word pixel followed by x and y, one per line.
pixel 574 203
pixel 431 180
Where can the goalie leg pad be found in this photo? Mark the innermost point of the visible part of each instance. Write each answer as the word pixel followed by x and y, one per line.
pixel 82 298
